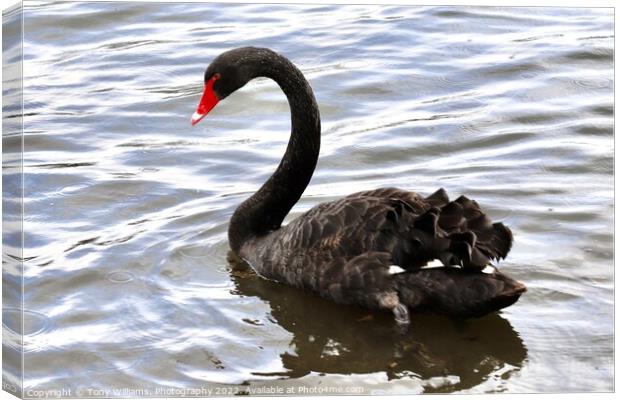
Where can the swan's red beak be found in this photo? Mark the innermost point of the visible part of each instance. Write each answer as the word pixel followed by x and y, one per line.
pixel 207 102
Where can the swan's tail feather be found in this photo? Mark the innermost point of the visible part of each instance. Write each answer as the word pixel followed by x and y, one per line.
pixel 456 292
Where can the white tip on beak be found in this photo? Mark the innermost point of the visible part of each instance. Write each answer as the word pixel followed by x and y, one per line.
pixel 196 117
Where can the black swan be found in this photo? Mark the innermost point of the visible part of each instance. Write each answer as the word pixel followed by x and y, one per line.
pixel 387 248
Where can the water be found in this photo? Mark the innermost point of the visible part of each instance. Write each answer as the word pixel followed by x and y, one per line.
pixel 127 283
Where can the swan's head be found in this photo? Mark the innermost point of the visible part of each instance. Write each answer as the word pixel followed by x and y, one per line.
pixel 228 72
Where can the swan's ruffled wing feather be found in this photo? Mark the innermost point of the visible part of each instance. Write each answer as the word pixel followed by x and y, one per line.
pixel 456 232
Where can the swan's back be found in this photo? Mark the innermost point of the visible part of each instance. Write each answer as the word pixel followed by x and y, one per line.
pixel 370 247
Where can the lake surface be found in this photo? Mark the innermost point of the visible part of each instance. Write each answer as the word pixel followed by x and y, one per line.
pixel 128 290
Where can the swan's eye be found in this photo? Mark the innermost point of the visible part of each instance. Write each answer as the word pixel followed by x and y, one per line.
pixel 216 76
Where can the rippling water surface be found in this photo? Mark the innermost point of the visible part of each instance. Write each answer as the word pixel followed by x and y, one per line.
pixel 127 281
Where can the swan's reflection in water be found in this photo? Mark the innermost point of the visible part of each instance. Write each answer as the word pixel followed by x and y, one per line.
pixel 335 339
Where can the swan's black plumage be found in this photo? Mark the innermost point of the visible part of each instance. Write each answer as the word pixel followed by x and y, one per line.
pixel 345 250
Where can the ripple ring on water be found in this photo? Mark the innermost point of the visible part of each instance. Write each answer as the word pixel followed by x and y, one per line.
pixel 34 322
pixel 186 253
pixel 120 276
pixel 593 83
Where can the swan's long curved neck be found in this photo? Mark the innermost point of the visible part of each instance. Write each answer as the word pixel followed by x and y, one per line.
pixel 266 209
